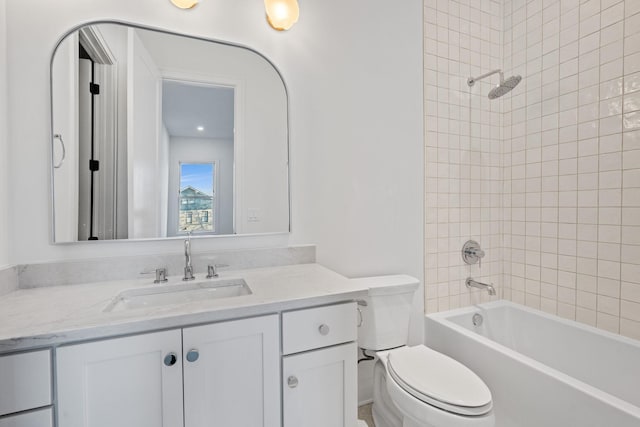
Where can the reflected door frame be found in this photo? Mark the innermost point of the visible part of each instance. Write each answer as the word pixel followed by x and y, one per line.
pixel 238 130
pixel 104 143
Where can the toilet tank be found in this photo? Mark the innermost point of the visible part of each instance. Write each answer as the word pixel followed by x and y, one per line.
pixel 385 311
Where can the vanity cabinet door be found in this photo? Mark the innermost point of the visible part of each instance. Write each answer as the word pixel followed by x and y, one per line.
pixel 232 374
pixel 320 387
pixel 25 381
pixel 126 382
pixel 39 418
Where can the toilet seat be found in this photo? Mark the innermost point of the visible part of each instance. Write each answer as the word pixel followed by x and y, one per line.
pixel 439 380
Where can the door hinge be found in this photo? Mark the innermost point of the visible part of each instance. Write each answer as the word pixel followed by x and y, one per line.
pixel 94 165
pixel 94 88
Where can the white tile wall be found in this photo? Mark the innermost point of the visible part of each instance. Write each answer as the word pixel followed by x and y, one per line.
pixel 547 178
pixel 572 160
pixel 463 148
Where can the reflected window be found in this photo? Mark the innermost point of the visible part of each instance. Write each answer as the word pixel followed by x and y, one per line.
pixel 197 197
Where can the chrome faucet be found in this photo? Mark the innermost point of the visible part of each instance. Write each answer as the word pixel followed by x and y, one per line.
pixel 473 284
pixel 188 268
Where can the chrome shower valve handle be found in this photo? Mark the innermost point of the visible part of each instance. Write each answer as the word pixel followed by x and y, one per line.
pixel 472 254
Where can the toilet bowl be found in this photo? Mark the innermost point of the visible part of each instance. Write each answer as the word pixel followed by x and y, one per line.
pixel 415 386
pixel 419 387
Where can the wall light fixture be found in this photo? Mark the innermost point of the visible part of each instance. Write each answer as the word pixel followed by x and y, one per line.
pixel 282 14
pixel 185 4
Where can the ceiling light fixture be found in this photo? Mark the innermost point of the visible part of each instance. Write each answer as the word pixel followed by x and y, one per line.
pixel 200 128
pixel 185 4
pixel 282 14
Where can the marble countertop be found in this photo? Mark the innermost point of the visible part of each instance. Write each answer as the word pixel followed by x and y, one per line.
pixel 32 318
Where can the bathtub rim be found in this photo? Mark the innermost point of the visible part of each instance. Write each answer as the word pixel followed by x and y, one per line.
pixel 616 402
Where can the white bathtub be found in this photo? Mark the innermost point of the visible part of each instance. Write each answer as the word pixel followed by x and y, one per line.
pixel 543 370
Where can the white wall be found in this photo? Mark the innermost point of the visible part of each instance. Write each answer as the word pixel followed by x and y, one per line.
pixel 65 71
pixel 199 150
pixel 355 83
pixel 164 156
pixel 144 110
pixel 4 148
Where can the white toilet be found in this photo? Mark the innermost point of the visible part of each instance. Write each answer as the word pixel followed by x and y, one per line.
pixel 415 386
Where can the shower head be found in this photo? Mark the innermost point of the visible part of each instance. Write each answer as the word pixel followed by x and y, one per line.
pixel 504 87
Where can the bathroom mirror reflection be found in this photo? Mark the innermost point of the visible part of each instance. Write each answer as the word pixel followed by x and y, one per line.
pixel 157 134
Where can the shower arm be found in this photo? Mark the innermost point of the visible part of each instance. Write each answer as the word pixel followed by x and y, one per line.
pixel 472 80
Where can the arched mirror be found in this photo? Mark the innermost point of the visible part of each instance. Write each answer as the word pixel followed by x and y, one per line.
pixel 157 134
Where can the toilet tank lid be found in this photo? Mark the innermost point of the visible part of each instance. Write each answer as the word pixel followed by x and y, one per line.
pixel 388 285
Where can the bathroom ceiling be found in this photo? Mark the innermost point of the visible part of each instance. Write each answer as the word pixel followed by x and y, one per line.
pixel 186 107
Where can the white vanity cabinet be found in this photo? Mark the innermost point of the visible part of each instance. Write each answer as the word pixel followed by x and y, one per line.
pixel 130 382
pixel 319 367
pixel 138 381
pixel 38 418
pixel 232 374
pixel 25 389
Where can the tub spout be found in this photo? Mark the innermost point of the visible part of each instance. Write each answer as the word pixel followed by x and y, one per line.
pixel 473 284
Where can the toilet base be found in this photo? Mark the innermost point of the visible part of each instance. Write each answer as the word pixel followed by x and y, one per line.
pixel 383 410
pixel 389 398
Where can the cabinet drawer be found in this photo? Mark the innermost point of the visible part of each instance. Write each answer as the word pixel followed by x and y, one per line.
pixel 318 327
pixel 41 418
pixel 25 381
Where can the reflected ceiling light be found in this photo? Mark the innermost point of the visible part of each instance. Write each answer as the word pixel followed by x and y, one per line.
pixel 282 14
pixel 200 128
pixel 184 4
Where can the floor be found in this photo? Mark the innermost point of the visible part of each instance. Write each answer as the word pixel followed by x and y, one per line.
pixel 364 413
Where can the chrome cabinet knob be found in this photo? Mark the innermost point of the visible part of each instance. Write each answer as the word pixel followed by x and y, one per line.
pixel 292 382
pixel 170 359
pixel 323 329
pixel 193 355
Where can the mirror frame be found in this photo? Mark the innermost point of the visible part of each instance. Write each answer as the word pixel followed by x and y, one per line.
pixel 52 139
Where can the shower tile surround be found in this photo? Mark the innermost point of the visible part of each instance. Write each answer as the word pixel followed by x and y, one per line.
pixel 572 160
pixel 463 149
pixel 546 178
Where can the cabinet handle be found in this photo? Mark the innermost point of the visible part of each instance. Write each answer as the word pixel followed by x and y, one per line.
pixel 64 151
pixel 170 359
pixel 193 355
pixel 292 382
pixel 324 329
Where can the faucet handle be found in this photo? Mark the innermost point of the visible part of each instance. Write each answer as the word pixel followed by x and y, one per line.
pixel 161 276
pixel 212 270
pixel 472 253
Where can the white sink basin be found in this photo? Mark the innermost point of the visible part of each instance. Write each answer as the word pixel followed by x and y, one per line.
pixel 178 294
